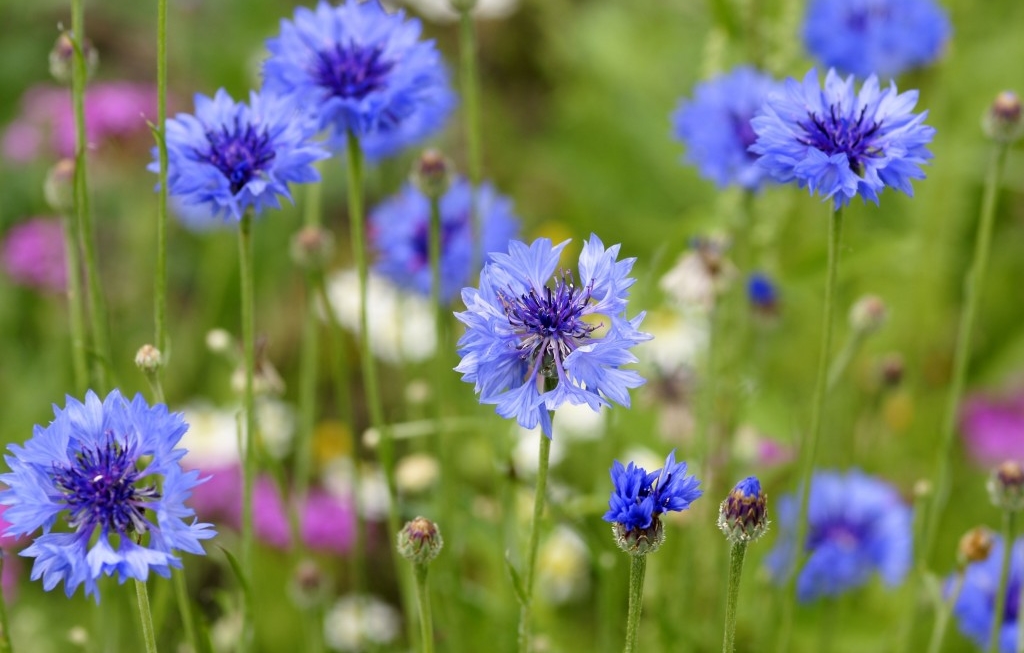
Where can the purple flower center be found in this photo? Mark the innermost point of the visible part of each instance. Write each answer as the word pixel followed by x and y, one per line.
pixel 841 534
pixel 351 71
pixel 99 490
pixel 549 323
pixel 240 153
pixel 744 133
pixel 421 239
pixel 859 19
pixel 836 133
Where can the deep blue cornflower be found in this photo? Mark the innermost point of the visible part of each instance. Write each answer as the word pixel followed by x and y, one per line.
pixel 838 143
pixel 875 37
pixel 230 157
pixel 857 525
pixel 762 292
pixel 715 127
pixel 976 602
pixel 400 233
pixel 109 471
pixel 743 515
pixel 534 338
pixel 357 68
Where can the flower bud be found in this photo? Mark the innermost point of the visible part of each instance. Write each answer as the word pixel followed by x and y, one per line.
pixel 149 359
pixel 1006 486
pixel 420 541
pixel 922 489
pixel 432 174
pixel 59 187
pixel 639 541
pixel 62 58
pixel 763 294
pixel 312 248
pixel 219 341
pixel 743 516
pixel 868 314
pixel 890 371
pixel 975 546
pixel 1002 122
pixel 309 586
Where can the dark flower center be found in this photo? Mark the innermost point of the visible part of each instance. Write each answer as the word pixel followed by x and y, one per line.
pixel 836 133
pixel 421 239
pixel 842 534
pixel 859 19
pixel 351 71
pixel 744 132
pixel 99 490
pixel 239 152
pixel 549 323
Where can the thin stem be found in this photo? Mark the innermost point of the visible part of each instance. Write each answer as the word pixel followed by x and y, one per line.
pixel 973 284
pixel 5 629
pixel 76 310
pixel 83 213
pixel 942 615
pixel 185 608
pixel 309 356
pixel 245 258
pixel 160 283
pixel 843 359
pixel 809 449
pixel 148 633
pixel 1009 533
pixel 426 621
pixel 637 569
pixel 470 82
pixel 736 555
pixel 531 551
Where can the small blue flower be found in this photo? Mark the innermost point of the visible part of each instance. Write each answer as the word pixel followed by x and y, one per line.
pixel 230 157
pixel 111 469
pixel 715 126
pixel 880 37
pixel 974 607
pixel 840 144
pixel 357 68
pixel 530 342
pixel 857 526
pixel 400 232
pixel 762 292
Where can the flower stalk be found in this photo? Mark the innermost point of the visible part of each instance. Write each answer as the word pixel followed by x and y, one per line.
pixel 737 551
pixel 245 258
pixel 637 570
pixel 531 549
pixel 470 82
pixel 145 616
pixel 160 283
pixel 1009 533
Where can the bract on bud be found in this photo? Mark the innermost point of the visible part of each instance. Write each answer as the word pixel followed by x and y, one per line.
pixel 1002 122
pixel 62 58
pixel 639 541
pixel 975 546
pixel 743 516
pixel 420 541
pixel 149 359
pixel 1006 486
pixel 868 314
pixel 312 248
pixel 59 187
pixel 432 174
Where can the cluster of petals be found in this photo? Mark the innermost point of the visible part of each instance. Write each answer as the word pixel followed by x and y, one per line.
pixel 639 496
pixel 975 604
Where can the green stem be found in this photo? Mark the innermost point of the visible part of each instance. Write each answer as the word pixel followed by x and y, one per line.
pixel 843 359
pixel 148 633
pixel 83 213
pixel 809 449
pixel 76 311
pixel 309 355
pixel 1009 533
pixel 426 621
pixel 637 569
pixel 736 555
pixel 160 284
pixel 245 258
pixel 5 629
pixel 185 608
pixel 942 616
pixel 470 82
pixel 973 284
pixel 531 551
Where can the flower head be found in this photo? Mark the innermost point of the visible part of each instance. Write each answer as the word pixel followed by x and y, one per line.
pixel 531 340
pixel 639 497
pixel 975 604
pixel 991 427
pixel 32 254
pixel 743 516
pixel 880 37
pixel 400 232
pixel 857 525
pixel 838 143
pixel 110 469
pixel 715 126
pixel 229 156
pixel 359 69
pixel 762 293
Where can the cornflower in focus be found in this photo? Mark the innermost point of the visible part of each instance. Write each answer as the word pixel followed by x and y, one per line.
pixel 715 126
pixel 857 526
pixel 875 37
pixel 361 70
pixel 111 469
pixel 33 254
pixel 400 233
pixel 230 156
pixel 530 342
pixel 975 605
pixel 743 515
pixel 839 144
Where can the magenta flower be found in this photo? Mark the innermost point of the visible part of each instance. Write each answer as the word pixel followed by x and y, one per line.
pixel 993 427
pixel 32 254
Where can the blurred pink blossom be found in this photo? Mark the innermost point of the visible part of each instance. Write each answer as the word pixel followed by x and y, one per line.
pixel 32 254
pixel 993 427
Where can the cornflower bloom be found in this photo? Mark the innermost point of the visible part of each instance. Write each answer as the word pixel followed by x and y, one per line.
pixel 400 232
pixel 857 525
pixel 975 605
pixel 361 70
pixel 838 143
pixel 880 37
pixel 111 469
pixel 715 126
pixel 230 156
pixel 530 342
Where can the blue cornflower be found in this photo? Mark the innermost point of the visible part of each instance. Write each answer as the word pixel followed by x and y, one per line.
pixel 400 232
pixel 360 69
pixel 230 157
pixel 840 144
pixel 857 525
pixel 111 469
pixel 715 126
pixel 880 37
pixel 762 292
pixel 530 342
pixel 974 607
